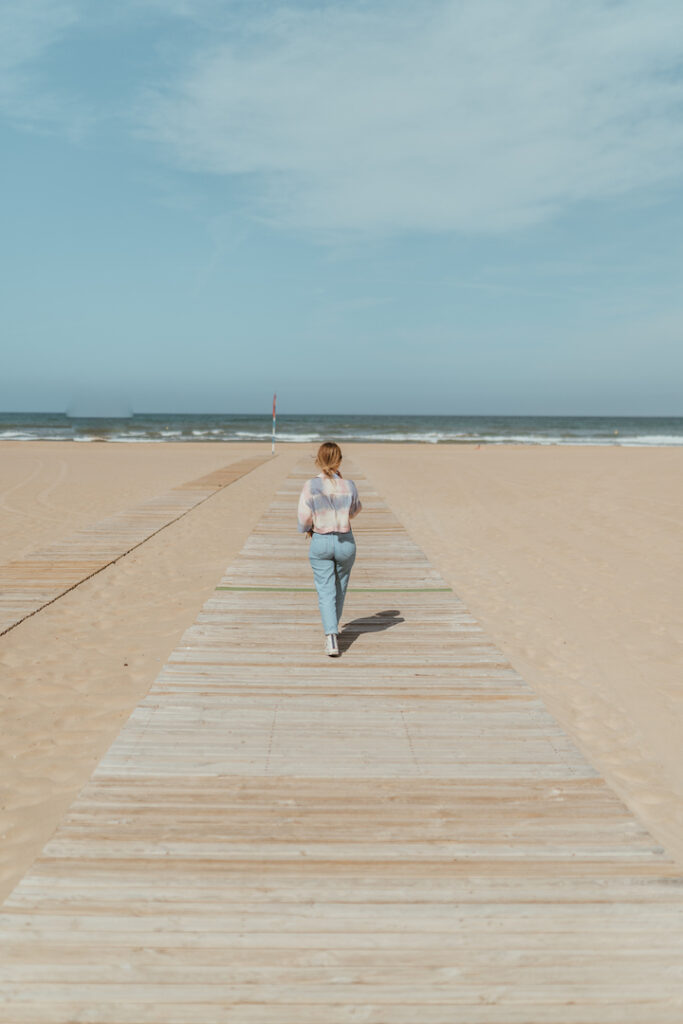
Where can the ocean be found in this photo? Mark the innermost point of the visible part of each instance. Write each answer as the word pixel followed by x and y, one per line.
pixel 161 427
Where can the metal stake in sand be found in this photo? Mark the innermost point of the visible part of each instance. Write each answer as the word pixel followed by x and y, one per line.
pixel 272 446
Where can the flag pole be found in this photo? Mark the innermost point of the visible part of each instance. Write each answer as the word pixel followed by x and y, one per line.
pixel 272 446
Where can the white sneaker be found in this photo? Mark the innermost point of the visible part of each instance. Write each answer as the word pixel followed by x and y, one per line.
pixel 331 646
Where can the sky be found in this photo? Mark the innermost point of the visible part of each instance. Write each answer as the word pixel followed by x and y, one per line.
pixel 456 206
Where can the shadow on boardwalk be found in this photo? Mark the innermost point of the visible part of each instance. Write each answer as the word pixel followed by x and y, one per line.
pixel 368 624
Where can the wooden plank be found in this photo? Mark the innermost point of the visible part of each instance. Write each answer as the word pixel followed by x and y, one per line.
pixel 403 834
pixel 41 577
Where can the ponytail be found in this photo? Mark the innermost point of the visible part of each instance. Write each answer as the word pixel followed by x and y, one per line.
pixel 329 458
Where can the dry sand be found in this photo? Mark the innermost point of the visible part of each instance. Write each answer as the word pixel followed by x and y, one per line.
pixel 572 560
pixel 50 488
pixel 570 557
pixel 72 673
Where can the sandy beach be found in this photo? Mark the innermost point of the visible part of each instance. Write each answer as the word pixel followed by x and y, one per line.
pixel 570 557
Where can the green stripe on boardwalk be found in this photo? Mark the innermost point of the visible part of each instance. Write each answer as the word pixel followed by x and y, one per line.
pixel 364 590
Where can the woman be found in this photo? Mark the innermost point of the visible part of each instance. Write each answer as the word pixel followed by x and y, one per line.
pixel 326 505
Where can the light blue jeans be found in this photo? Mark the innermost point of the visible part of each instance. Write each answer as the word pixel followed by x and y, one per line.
pixel 331 556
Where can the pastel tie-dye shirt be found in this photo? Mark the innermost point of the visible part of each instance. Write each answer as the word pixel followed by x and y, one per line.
pixel 327 504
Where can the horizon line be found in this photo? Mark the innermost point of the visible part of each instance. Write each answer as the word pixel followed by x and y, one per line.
pixel 413 415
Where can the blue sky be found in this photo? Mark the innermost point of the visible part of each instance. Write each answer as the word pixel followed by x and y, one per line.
pixel 457 206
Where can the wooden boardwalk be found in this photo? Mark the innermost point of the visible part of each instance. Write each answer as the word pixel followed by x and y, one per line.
pixel 400 836
pixel 36 580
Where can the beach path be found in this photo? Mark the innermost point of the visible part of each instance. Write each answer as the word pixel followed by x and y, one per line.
pixel 403 835
pixel 30 583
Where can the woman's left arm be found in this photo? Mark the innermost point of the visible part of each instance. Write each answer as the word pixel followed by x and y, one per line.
pixel 356 505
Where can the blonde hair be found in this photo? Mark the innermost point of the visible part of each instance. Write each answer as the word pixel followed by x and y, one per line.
pixel 328 458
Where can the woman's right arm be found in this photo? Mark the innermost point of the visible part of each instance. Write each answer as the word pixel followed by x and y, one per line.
pixel 305 511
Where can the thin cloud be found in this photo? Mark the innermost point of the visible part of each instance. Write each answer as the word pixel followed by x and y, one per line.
pixel 28 29
pixel 464 116
pixel 31 96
